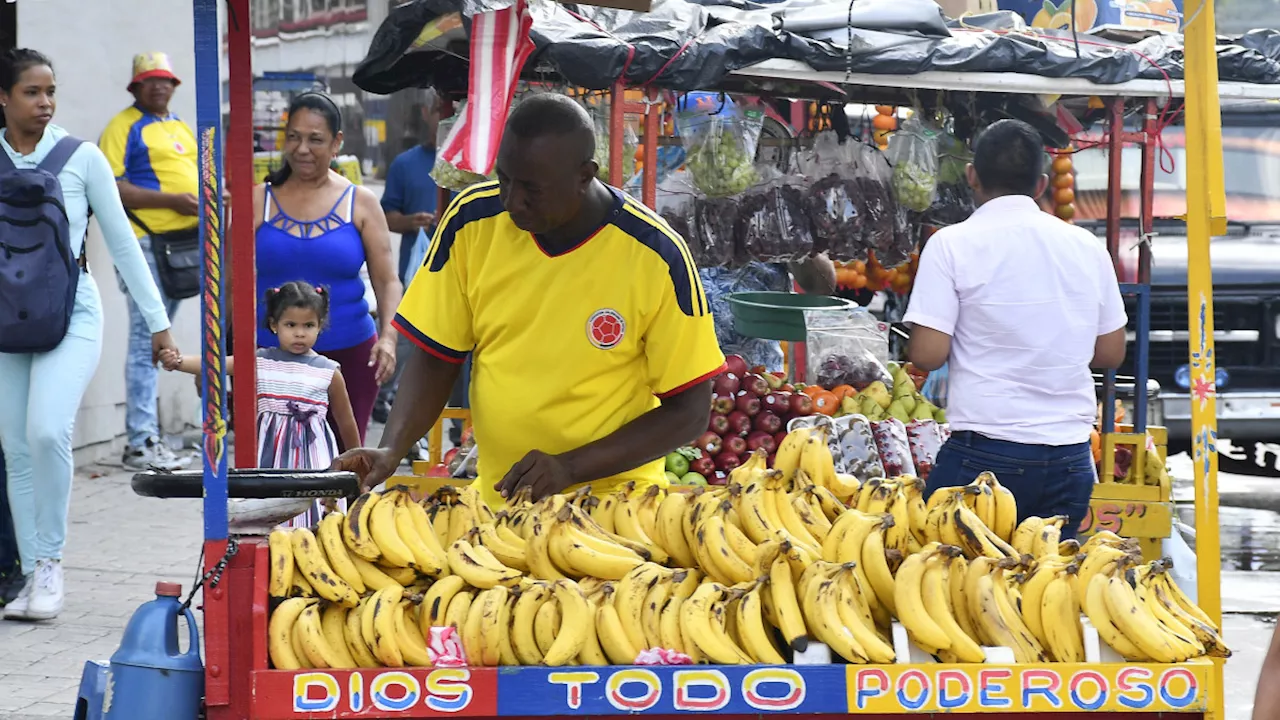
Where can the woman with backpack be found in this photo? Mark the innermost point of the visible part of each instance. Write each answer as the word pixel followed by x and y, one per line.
pixel 51 312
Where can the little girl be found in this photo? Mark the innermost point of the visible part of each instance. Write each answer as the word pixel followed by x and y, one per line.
pixel 296 388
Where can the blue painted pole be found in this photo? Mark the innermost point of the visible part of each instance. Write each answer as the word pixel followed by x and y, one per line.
pixel 208 47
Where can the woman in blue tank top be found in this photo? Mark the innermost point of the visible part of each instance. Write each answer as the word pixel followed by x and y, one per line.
pixel 314 225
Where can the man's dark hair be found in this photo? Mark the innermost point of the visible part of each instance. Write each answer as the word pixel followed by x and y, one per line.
pixel 1009 158
pixel 552 114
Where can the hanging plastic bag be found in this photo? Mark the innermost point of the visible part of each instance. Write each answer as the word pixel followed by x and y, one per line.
pixel 721 148
pixel 630 142
pixel 872 185
pixel 674 203
pixel 835 207
pixel 772 225
pixel 954 202
pixel 443 172
pixel 913 150
pixel 713 231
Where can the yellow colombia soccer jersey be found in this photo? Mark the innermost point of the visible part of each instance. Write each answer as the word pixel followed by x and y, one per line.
pixel 567 348
pixel 153 153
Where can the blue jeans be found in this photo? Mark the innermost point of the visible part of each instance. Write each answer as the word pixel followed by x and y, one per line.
pixel 39 396
pixel 1046 480
pixel 8 537
pixel 140 376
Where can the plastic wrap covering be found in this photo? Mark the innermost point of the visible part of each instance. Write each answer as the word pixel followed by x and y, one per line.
pixel 689 46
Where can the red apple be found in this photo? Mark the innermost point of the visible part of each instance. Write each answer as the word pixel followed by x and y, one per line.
pixel 801 404
pixel 755 385
pixel 709 443
pixel 787 387
pixel 704 466
pixel 735 444
pixel 726 461
pixel 760 439
pixel 722 404
pixel 719 424
pixel 727 384
pixel 736 364
pixel 717 478
pixel 748 403
pixel 769 460
pixel 768 422
pixel 776 402
pixel 778 437
pixel 739 423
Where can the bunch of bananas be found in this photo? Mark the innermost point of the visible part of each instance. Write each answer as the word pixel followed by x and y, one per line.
pixel 746 573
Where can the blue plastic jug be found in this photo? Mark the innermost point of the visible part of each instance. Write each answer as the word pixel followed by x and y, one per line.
pixel 150 679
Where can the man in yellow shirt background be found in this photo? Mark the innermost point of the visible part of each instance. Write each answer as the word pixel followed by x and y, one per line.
pixel 153 154
pixel 591 339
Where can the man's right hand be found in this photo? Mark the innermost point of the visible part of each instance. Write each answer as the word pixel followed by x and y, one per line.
pixel 423 220
pixel 372 465
pixel 185 204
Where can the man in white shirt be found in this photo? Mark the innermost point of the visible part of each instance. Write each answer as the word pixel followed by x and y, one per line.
pixel 1021 305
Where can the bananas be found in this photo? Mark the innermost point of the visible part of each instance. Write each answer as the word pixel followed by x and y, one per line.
pixel 747 573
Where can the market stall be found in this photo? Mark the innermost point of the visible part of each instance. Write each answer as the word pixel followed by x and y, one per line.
pixel 922 614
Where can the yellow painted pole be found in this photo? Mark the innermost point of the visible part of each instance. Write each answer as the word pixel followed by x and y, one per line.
pixel 1206 216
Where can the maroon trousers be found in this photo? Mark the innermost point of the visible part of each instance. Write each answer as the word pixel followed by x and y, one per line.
pixel 362 384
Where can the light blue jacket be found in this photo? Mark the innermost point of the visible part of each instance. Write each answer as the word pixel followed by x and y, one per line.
pixel 87 182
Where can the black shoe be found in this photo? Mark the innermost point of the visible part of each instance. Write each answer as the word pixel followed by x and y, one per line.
pixel 10 586
pixel 381 411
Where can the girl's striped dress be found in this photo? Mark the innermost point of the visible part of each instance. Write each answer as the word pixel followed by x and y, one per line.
pixel 293 400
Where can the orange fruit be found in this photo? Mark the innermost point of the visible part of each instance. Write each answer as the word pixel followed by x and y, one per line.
pixel 1062 165
pixel 843 391
pixel 1066 180
pixel 884 122
pixel 858 282
pixel 858 266
pixel 812 390
pixel 901 284
pixel 1066 212
pixel 825 402
pixel 885 109
pixel 1064 196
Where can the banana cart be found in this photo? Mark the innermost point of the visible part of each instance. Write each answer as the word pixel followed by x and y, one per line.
pixel 239 681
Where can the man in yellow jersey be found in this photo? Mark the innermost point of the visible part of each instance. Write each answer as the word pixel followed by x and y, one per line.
pixel 591 339
pixel 153 154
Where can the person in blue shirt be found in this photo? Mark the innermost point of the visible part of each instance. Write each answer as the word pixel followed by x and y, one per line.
pixel 409 202
pixel 409 197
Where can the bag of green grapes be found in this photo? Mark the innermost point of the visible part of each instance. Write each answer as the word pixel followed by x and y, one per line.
pixel 630 142
pixel 443 172
pixel 720 146
pixel 913 152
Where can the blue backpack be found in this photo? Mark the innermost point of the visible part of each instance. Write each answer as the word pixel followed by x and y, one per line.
pixel 38 273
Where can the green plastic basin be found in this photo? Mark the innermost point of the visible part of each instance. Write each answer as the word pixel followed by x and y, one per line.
pixel 778 315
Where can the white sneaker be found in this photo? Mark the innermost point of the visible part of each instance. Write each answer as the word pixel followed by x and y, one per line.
pixel 17 609
pixel 153 455
pixel 46 593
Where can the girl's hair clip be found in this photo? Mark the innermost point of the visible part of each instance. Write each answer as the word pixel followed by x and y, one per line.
pixel 320 290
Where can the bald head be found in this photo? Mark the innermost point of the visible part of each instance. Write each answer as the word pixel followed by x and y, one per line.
pixel 551 115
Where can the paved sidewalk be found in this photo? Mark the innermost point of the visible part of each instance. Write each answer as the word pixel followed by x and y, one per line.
pixel 119 545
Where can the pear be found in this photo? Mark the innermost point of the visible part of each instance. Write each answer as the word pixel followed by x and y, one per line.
pixel 849 405
pixel 908 402
pixel 940 416
pixel 894 368
pixel 866 405
pixel 896 410
pixel 923 411
pixel 878 392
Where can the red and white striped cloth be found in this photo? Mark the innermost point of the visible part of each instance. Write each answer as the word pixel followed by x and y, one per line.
pixel 500 44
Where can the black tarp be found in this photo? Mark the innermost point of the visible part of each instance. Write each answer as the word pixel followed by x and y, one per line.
pixel 682 45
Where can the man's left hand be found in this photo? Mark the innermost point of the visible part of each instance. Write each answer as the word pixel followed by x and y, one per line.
pixel 541 473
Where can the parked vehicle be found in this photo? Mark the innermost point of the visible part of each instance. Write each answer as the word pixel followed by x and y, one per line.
pixel 1246 278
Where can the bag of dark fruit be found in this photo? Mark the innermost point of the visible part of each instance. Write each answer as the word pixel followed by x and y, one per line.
pixel 846 347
